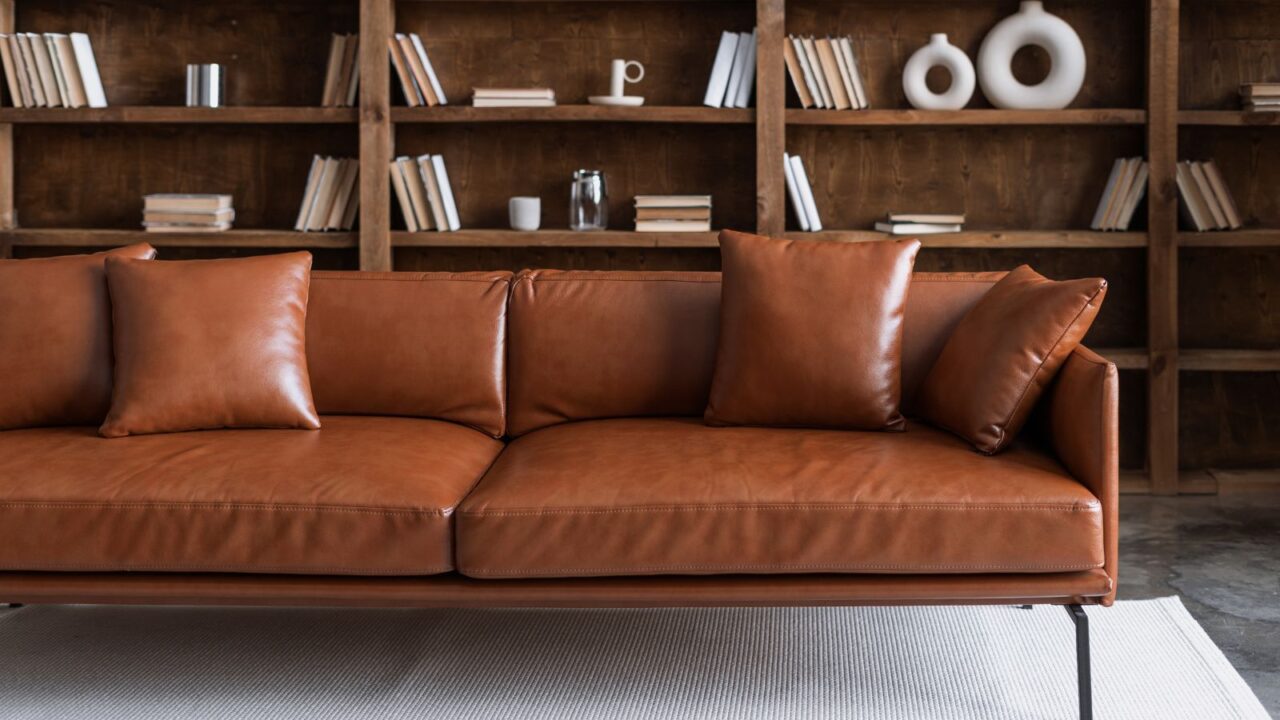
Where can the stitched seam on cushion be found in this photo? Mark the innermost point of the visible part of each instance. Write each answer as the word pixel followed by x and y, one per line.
pixel 786 566
pixel 234 567
pixel 441 512
pixel 371 277
pixel 1086 507
pixel 1003 427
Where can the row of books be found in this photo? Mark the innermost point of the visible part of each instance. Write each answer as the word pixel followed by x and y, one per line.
pixel 51 70
pixel 342 75
pixel 800 192
pixel 1260 96
pixel 673 213
pixel 1125 188
pixel 425 193
pixel 413 68
pixel 733 74
pixel 332 198
pixel 921 223
pixel 1206 201
pixel 173 212
pixel 824 73
pixel 513 97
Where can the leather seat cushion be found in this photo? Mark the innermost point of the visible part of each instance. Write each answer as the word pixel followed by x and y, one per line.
pixel 672 496
pixel 363 496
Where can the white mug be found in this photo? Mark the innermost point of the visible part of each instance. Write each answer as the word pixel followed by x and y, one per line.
pixel 525 212
pixel 619 77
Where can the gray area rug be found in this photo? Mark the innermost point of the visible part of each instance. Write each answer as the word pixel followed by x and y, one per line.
pixel 1151 660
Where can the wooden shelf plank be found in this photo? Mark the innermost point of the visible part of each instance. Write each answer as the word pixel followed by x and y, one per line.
pixel 994 238
pixel 1228 117
pixel 554 238
pixel 45 237
pixel 967 117
pixel 181 115
pixel 574 113
pixel 1250 237
pixel 1126 358
pixel 1230 360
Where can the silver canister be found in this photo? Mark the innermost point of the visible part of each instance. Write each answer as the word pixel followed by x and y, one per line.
pixel 588 201
pixel 205 85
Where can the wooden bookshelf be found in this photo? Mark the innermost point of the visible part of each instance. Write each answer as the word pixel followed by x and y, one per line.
pixel 1162 82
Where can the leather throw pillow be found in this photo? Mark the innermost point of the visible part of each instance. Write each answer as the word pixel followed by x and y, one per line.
pixel 210 344
pixel 55 339
pixel 810 333
pixel 1003 354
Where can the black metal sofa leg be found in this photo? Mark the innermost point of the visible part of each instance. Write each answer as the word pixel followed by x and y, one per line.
pixel 1083 673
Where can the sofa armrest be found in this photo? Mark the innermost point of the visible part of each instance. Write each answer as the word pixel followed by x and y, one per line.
pixel 1084 429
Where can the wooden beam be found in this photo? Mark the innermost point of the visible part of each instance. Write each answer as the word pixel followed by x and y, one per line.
pixel 99 238
pixel 574 113
pixel 1162 247
pixel 771 129
pixel 377 23
pixel 1074 116
pixel 177 115
pixel 1230 360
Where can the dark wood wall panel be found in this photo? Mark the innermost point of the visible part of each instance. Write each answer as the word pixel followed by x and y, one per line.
pixel 274 52
pixel 94 176
pixel 1229 298
pixel 1230 420
pixel 1225 43
pixel 1040 178
pixel 490 163
pixel 321 259
pixel 885 34
pixel 568 45
pixel 1247 158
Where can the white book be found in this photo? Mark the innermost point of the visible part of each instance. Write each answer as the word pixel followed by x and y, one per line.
pixel 10 71
pixel 1210 199
pixel 435 199
pixel 1107 193
pixel 337 46
pixel 350 168
pixel 33 72
pixel 61 79
pixel 846 79
pixel 793 193
pixel 402 194
pixel 1115 204
pixel 1196 216
pixel 735 72
pixel 431 71
pixel 417 188
pixel 323 203
pixel 66 55
pixel 859 88
pixel 515 93
pixel 88 67
pixel 807 71
pixel 1136 191
pixel 718 85
pixel 916 228
pixel 932 218
pixel 748 81
pixel 672 201
pixel 352 89
pixel 512 102
pixel 44 67
pixel 674 226
pixel 446 190
pixel 806 193
pixel 1223 193
pixel 819 77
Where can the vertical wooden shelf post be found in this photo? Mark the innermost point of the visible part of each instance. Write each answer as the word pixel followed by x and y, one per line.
pixel 771 130
pixel 1162 250
pixel 8 218
pixel 377 23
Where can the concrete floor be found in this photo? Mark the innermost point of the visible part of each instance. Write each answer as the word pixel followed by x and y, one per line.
pixel 1221 555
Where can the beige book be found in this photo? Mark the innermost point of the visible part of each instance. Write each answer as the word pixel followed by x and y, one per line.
pixel 1137 189
pixel 324 194
pixel 797 74
pixel 691 213
pixel 928 218
pixel 402 195
pixel 20 69
pixel 185 202
pixel 76 93
pixel 518 93
pixel 166 227
pixel 1258 90
pixel 831 71
pixel 353 202
pixel 418 70
pixel 1206 191
pixel 10 72
pixel 333 70
pixel 350 77
pixel 672 201
pixel 417 192
pixel 819 77
pixel 44 69
pixel 1195 212
pixel 845 78
pixel 859 88
pixel 810 81
pixel 38 98
pixel 309 194
pixel 196 218
pixel 342 196
pixel 435 197
pixel 1108 193
pixel 673 226
pixel 1121 190
pixel 1223 194
pixel 411 96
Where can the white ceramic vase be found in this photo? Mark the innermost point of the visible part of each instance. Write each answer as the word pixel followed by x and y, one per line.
pixel 1031 25
pixel 938 52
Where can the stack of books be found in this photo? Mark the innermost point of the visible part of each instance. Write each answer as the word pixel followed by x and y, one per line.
pixel 332 197
pixel 418 79
pixel 1125 189
pixel 673 213
pixel 425 193
pixel 342 76
pixel 800 191
pixel 513 97
pixel 1261 96
pixel 733 74
pixel 824 73
pixel 51 70
pixel 921 223
pixel 187 213
pixel 1206 201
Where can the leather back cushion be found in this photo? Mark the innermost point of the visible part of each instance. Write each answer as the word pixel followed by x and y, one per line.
pixel 626 344
pixel 429 345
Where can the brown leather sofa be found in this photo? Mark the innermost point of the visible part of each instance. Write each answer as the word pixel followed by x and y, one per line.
pixel 536 440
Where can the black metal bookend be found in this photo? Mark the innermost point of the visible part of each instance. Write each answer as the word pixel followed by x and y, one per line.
pixel 1083 673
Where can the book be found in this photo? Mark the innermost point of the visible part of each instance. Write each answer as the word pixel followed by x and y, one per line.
pixel 1206 192
pixel 410 91
pixel 747 83
pixel 349 78
pixel 1128 172
pixel 446 192
pixel 672 201
pixel 59 76
pixel 514 93
pixel 827 57
pixel 859 88
pixel 932 218
pixel 185 202
pixel 1137 189
pixel 349 173
pixel 512 102
pixel 333 70
pixel 309 194
pixel 793 193
pixel 796 73
pixel 718 84
pixel 417 193
pixel 402 195
pixel 1260 89
pixel 806 193
pixel 917 228
pixel 1192 206
pixel 819 75
pixel 432 79
pixel 329 178
pixel 88 67
pixel 435 200
pixel 670 213
pixel 10 71
pixel 845 78
pixel 70 70
pixel 739 66
pixel 419 71
pixel 811 83
pixel 224 215
pixel 1108 194
pixel 1223 194
pixel 171 227
pixel 673 225
pixel 32 71
pixel 44 69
